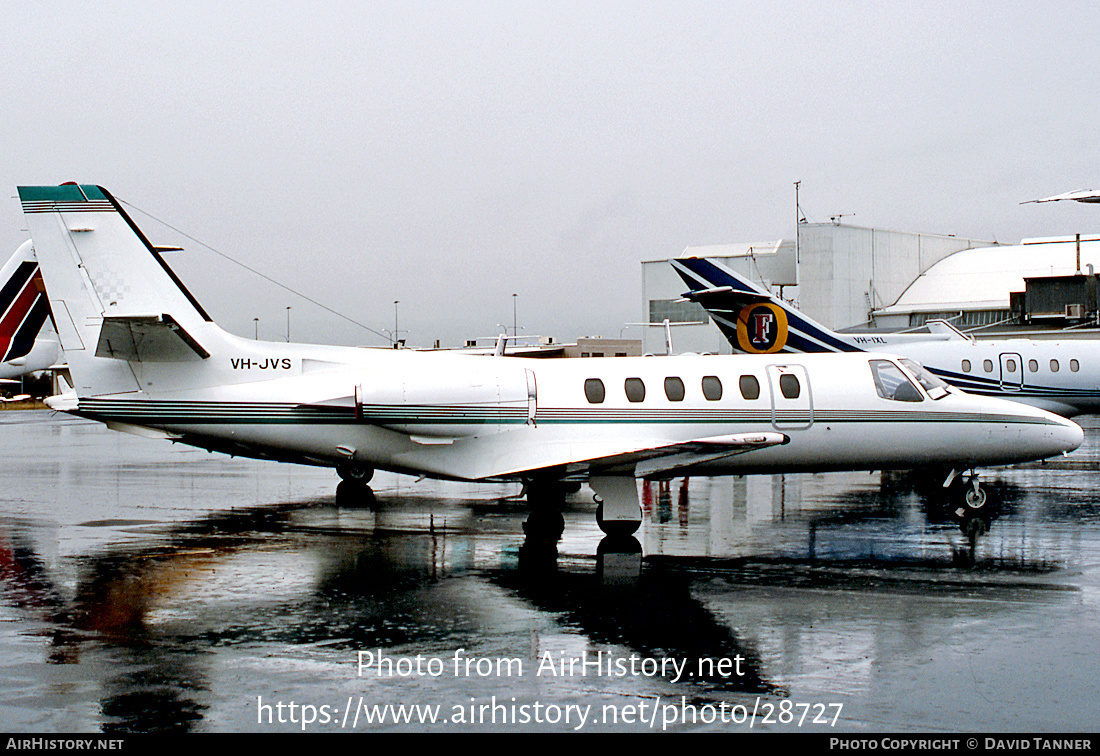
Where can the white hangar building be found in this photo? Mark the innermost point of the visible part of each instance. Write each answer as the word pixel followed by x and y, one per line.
pixel 838 274
pixel 973 289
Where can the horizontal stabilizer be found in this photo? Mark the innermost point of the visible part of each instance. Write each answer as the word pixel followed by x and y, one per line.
pixel 147 338
pixel 943 328
pixel 699 295
pixel 67 400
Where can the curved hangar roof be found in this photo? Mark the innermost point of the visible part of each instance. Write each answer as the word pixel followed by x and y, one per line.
pixel 981 278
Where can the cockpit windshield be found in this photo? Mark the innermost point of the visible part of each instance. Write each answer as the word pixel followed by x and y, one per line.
pixel 893 384
pixel 935 387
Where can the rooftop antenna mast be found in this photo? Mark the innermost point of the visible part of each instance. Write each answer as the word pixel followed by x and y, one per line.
pixel 798 221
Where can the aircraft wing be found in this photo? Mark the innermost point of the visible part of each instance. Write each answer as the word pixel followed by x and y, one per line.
pixel 666 459
pixel 1081 195
pixel 669 459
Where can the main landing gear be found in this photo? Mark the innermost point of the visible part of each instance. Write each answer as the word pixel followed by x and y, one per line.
pixel 355 472
pixel 546 522
pixel 618 512
pixel 352 490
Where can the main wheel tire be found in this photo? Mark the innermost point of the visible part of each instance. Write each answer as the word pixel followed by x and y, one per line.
pixel 545 523
pixel 616 527
pixel 356 472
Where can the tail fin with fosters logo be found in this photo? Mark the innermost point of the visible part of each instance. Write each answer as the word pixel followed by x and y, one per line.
pixel 750 317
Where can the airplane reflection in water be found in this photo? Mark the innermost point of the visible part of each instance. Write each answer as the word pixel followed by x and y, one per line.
pixel 150 626
pixel 293 577
pixel 809 519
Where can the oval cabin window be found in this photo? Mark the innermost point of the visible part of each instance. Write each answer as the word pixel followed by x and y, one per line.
pixel 966 366
pixel 712 388
pixel 1054 366
pixel 674 389
pixel 789 386
pixel 1074 365
pixel 750 387
pixel 635 389
pixel 594 391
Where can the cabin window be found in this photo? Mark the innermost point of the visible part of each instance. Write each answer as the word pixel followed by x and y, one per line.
pixel 892 384
pixel 789 386
pixel 594 391
pixel 674 389
pixel 635 389
pixel 1074 365
pixel 712 387
pixel 966 366
pixel 750 387
pixel 1010 365
pixel 1054 366
pixel 987 365
pixel 1033 366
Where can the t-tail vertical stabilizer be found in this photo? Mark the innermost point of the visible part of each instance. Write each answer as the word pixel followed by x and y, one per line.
pixel 750 317
pixel 122 315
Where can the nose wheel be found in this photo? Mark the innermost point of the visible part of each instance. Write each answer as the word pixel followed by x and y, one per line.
pixel 968 495
pixel 975 496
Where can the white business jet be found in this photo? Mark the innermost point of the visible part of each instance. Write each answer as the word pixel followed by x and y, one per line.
pixel 145 357
pixel 1062 376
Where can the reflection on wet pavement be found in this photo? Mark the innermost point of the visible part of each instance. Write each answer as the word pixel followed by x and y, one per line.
pixel 150 587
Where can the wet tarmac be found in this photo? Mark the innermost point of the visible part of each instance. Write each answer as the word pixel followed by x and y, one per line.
pixel 150 587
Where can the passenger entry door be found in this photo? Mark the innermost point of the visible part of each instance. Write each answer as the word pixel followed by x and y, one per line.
pixel 792 400
pixel 532 397
pixel 1012 372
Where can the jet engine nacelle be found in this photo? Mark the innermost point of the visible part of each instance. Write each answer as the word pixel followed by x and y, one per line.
pixel 461 401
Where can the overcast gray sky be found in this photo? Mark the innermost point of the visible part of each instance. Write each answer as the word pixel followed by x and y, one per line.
pixel 450 154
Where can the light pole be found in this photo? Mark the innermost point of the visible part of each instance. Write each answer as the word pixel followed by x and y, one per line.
pixel 515 329
pixel 256 323
pixel 288 324
pixel 395 336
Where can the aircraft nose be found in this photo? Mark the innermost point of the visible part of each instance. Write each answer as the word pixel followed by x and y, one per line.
pixel 1068 436
pixel 1042 434
pixel 1059 435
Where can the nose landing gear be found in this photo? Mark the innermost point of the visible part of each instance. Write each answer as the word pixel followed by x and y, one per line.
pixel 975 497
pixel 968 495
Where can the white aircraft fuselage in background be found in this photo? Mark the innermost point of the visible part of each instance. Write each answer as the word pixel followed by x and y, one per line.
pixel 146 357
pixel 1059 375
